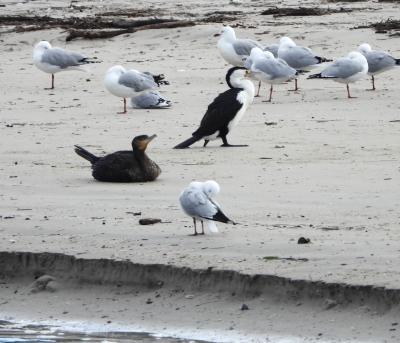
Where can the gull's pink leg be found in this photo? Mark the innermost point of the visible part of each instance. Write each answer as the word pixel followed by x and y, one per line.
pixel 195 231
pixel 373 84
pixel 295 86
pixel 124 108
pixel 270 95
pixel 52 82
pixel 202 229
pixel 348 92
pixel 258 92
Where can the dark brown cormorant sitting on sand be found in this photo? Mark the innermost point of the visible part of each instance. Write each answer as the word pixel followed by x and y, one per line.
pixel 124 166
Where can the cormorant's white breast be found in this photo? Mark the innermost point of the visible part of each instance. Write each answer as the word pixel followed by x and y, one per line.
pixel 224 113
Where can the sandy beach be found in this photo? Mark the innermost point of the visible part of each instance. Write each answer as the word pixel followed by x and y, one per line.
pixel 328 171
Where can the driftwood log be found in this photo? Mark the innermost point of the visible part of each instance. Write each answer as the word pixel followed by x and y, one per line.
pixel 93 34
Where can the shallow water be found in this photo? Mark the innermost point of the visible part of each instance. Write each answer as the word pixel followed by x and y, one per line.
pixel 34 336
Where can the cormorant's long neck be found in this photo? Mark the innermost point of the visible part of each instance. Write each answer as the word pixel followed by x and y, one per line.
pixel 140 155
pixel 244 84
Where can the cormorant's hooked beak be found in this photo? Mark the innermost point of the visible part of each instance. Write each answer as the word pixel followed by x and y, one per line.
pixel 148 140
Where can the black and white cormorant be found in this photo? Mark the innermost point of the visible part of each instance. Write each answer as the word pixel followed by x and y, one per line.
pixel 124 166
pixel 224 113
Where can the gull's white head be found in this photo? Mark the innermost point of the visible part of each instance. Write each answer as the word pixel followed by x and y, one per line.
pixel 285 39
pixel 42 46
pixel 356 56
pixel 255 51
pixel 285 43
pixel 119 70
pixel 226 33
pixel 364 48
pixel 210 188
pixel 268 55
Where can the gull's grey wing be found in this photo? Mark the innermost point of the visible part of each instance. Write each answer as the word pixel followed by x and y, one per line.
pixel 136 81
pixel 273 67
pixel 196 203
pixel 342 68
pixel 378 60
pixel 62 58
pixel 273 49
pixel 243 46
pixel 298 57
pixel 147 100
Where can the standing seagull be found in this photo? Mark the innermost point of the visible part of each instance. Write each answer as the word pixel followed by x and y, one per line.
pixel 197 202
pixel 249 62
pixel 53 60
pixel 378 61
pixel 126 84
pixel 299 57
pixel 345 70
pixel 224 113
pixel 234 51
pixel 272 70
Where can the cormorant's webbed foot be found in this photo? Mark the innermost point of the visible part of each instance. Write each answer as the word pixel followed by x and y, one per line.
pixel 227 145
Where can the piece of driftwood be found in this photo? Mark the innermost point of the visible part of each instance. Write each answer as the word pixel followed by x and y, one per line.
pixel 303 11
pixel 108 34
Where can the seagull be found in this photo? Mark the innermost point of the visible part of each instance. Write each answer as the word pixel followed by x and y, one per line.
pixel 151 99
pixel 234 51
pixel 345 70
pixel 378 61
pixel 53 60
pixel 248 63
pixel 124 166
pixel 197 202
pixel 126 84
pixel 299 57
pixel 271 70
pixel 224 113
pixel 272 48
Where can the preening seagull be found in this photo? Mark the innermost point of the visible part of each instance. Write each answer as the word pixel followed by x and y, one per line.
pixel 345 70
pixel 197 202
pixel 224 113
pixel 299 57
pixel 54 60
pixel 151 99
pixel 378 61
pixel 234 51
pixel 127 84
pixel 271 70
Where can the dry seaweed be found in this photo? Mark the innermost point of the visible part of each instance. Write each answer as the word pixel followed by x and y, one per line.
pixel 89 34
pixel 303 11
pixel 388 24
pixel 347 0
pixel 88 27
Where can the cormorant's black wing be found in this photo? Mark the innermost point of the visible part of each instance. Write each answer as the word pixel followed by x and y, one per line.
pixel 219 113
pixel 115 167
